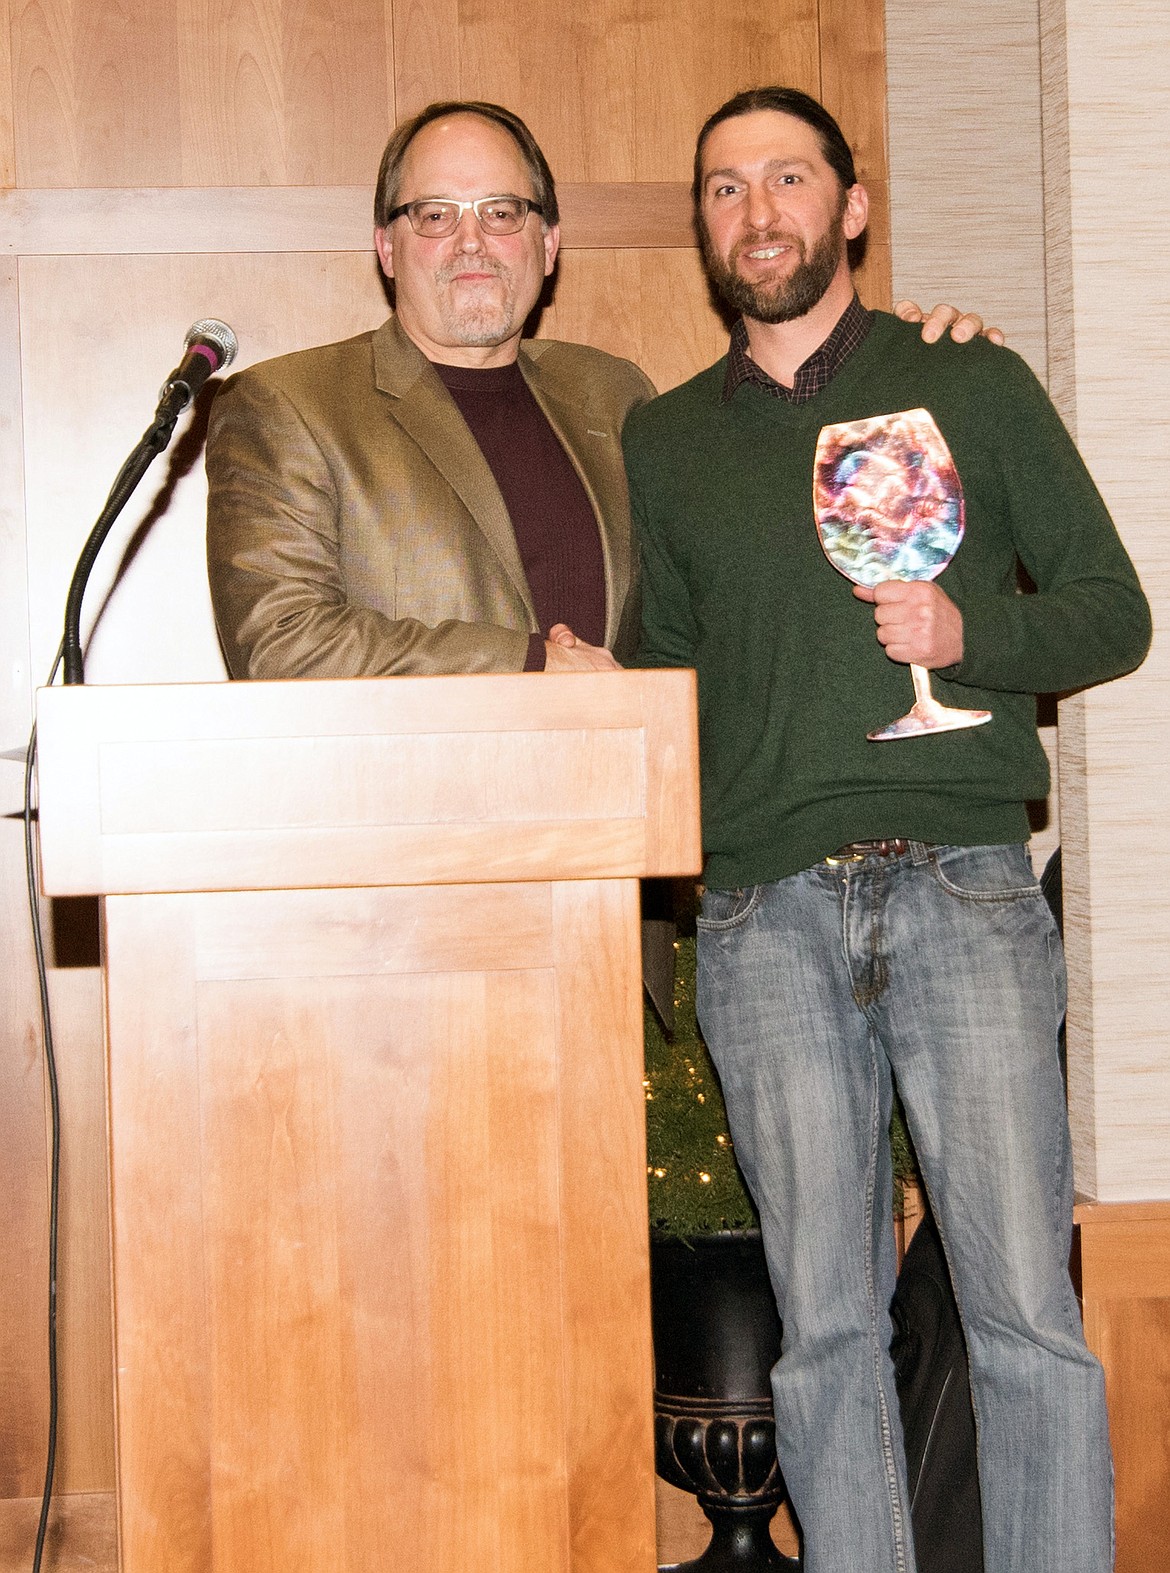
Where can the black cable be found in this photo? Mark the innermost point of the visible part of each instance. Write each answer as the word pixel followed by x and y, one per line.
pixel 176 395
pixel 34 902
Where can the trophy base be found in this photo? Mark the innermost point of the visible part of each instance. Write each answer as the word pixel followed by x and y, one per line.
pixel 923 719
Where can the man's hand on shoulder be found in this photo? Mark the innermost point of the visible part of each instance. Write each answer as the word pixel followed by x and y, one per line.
pixel 964 325
pixel 916 621
pixel 564 652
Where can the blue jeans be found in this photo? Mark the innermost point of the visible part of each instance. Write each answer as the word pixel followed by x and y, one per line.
pixel 941 968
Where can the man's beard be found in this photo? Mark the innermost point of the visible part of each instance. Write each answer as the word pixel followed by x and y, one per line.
pixel 782 299
pixel 478 323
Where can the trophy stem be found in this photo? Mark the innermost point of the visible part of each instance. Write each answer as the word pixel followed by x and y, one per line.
pixel 927 715
pixel 922 693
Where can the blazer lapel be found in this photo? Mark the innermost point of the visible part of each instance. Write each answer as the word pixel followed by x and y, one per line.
pixel 425 410
pixel 594 446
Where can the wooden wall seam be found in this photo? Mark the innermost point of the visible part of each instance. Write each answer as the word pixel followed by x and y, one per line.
pixel 197 220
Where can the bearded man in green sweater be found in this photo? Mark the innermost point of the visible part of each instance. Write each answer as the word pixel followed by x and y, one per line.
pixel 870 912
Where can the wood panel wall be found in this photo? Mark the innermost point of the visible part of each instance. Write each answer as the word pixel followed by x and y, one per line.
pixel 163 160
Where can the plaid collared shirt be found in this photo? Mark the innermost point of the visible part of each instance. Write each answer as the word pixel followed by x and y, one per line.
pixel 813 375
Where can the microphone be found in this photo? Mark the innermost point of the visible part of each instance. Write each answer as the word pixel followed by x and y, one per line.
pixel 210 346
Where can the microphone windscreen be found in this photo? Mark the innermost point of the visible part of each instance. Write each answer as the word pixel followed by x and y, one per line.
pixel 215 335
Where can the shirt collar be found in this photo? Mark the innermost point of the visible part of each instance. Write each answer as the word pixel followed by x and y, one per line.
pixel 814 374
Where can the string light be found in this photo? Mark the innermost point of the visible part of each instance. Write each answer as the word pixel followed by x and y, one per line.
pixel 694 1185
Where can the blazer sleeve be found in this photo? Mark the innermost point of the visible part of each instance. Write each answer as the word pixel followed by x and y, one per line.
pixel 282 591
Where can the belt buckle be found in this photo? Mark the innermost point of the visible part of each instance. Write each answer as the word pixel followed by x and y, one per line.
pixel 837 861
pixel 858 851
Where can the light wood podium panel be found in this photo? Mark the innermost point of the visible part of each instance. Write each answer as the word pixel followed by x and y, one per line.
pixel 374 1047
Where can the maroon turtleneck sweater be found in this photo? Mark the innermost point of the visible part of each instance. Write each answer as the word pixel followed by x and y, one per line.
pixel 556 530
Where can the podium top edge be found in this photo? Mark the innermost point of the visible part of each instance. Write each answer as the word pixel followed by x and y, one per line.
pixel 390 682
pixel 333 706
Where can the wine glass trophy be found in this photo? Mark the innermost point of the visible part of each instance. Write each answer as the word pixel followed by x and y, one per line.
pixel 889 505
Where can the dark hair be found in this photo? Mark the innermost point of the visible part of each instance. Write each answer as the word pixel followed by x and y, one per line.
pixel 390 169
pixel 787 101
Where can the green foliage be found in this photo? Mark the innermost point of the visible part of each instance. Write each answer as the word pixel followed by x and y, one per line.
pixel 693 1180
pixel 902 1152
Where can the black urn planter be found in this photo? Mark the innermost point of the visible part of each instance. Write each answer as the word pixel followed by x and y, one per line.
pixel 716 1338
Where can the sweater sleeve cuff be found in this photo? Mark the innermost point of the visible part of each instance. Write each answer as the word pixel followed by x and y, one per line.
pixel 537 654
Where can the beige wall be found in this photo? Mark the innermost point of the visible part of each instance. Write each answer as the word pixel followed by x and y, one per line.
pixel 1116 792
pixel 967 194
pixel 966 182
pixel 1027 151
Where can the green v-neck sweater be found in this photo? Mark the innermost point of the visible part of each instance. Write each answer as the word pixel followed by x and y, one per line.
pixel 791 676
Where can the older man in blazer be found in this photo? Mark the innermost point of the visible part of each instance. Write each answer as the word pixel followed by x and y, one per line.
pixel 363 519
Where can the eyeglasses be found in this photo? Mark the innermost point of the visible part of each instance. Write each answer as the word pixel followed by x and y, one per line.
pixel 436 217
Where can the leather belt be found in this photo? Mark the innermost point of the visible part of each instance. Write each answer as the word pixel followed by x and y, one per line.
pixel 857 851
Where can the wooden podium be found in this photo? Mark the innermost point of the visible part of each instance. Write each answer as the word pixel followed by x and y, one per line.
pixel 376 1113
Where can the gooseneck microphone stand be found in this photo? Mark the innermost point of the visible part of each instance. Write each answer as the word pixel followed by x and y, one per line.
pixel 147 449
pixel 211 345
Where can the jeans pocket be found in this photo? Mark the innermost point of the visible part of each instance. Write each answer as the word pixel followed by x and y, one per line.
pixel 727 909
pixel 995 873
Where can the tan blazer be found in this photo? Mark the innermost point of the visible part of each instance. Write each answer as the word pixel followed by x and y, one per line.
pixel 354 528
